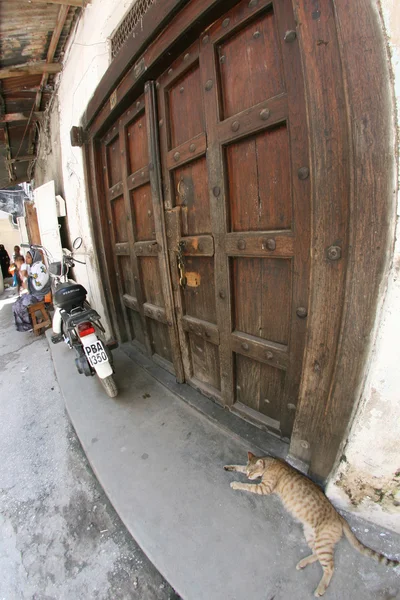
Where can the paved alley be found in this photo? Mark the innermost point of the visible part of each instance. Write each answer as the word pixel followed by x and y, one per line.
pixel 59 536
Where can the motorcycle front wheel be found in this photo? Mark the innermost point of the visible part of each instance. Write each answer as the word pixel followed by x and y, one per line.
pixel 110 386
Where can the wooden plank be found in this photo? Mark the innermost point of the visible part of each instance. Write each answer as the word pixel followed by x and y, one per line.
pixel 201 328
pixel 55 38
pixel 269 243
pixel 262 297
pixel 146 248
pixel 317 420
pixel 261 350
pixel 206 368
pixel 222 30
pixel 32 68
pixel 130 302
pixel 78 3
pixel 125 150
pixel 185 62
pixel 200 245
pixel 266 114
pixel 115 191
pixel 137 138
pixel 258 34
pixel 155 312
pixel 99 226
pixel 113 230
pixel 32 223
pixel 142 208
pixel 218 192
pixel 57 31
pixel 263 199
pixel 22 116
pixel 138 178
pixel 301 211
pixel 185 108
pixel 187 151
pixel 189 191
pixel 156 189
pixel 371 229
pixel 122 249
pixel 119 220
pixel 11 172
pixel 253 416
pixel 16 181
pixel 26 158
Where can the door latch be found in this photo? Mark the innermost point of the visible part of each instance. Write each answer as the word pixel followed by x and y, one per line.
pixel 181 265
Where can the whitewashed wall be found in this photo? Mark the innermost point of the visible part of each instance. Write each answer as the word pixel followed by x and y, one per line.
pixel 86 59
pixel 368 479
pixel 9 233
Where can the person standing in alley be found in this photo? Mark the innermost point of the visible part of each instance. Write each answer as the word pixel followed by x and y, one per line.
pixel 4 261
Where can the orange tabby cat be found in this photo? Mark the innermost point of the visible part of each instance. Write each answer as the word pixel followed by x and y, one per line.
pixel 323 526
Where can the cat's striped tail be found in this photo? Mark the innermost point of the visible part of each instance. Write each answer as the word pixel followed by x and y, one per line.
pixel 380 558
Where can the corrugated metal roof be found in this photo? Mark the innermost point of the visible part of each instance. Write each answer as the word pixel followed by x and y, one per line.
pixel 26 30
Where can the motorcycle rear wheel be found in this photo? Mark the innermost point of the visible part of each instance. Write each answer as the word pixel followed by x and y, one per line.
pixel 110 386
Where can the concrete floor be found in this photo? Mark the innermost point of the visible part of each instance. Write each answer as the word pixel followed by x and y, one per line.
pixel 160 461
pixel 60 538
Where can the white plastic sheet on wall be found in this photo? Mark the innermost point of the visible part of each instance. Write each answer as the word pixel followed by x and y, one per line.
pixel 46 208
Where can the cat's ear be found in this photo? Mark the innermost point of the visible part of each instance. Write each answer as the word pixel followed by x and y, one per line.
pixel 261 462
pixel 250 455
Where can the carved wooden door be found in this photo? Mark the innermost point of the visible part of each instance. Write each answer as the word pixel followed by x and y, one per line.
pixel 136 232
pixel 233 135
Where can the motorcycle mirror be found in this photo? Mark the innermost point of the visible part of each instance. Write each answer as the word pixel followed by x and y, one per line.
pixel 77 243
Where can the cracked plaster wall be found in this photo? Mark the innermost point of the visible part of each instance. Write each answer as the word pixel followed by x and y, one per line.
pixel 86 59
pixel 367 480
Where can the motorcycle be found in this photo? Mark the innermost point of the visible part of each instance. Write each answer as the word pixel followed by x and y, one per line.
pixel 77 324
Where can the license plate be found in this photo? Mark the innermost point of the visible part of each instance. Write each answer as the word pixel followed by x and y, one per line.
pixel 95 353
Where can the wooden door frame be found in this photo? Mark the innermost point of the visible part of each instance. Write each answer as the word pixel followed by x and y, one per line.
pixel 351 134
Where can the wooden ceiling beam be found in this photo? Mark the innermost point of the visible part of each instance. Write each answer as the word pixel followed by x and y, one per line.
pixel 23 116
pixel 10 167
pixel 78 3
pixel 16 181
pixel 33 68
pixel 26 158
pixel 55 38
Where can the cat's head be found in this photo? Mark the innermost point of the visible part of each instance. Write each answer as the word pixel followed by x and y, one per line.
pixel 255 466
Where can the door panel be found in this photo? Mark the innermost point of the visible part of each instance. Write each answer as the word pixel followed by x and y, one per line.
pixel 261 200
pixel 184 108
pixel 142 208
pixel 234 142
pixel 190 183
pixel 249 63
pixel 262 296
pixel 188 218
pixel 139 253
pixel 255 127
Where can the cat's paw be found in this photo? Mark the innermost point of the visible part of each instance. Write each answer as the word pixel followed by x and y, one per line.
pixel 235 485
pixel 320 591
pixel 229 468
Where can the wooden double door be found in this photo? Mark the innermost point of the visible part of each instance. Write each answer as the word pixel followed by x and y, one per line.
pixel 207 199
